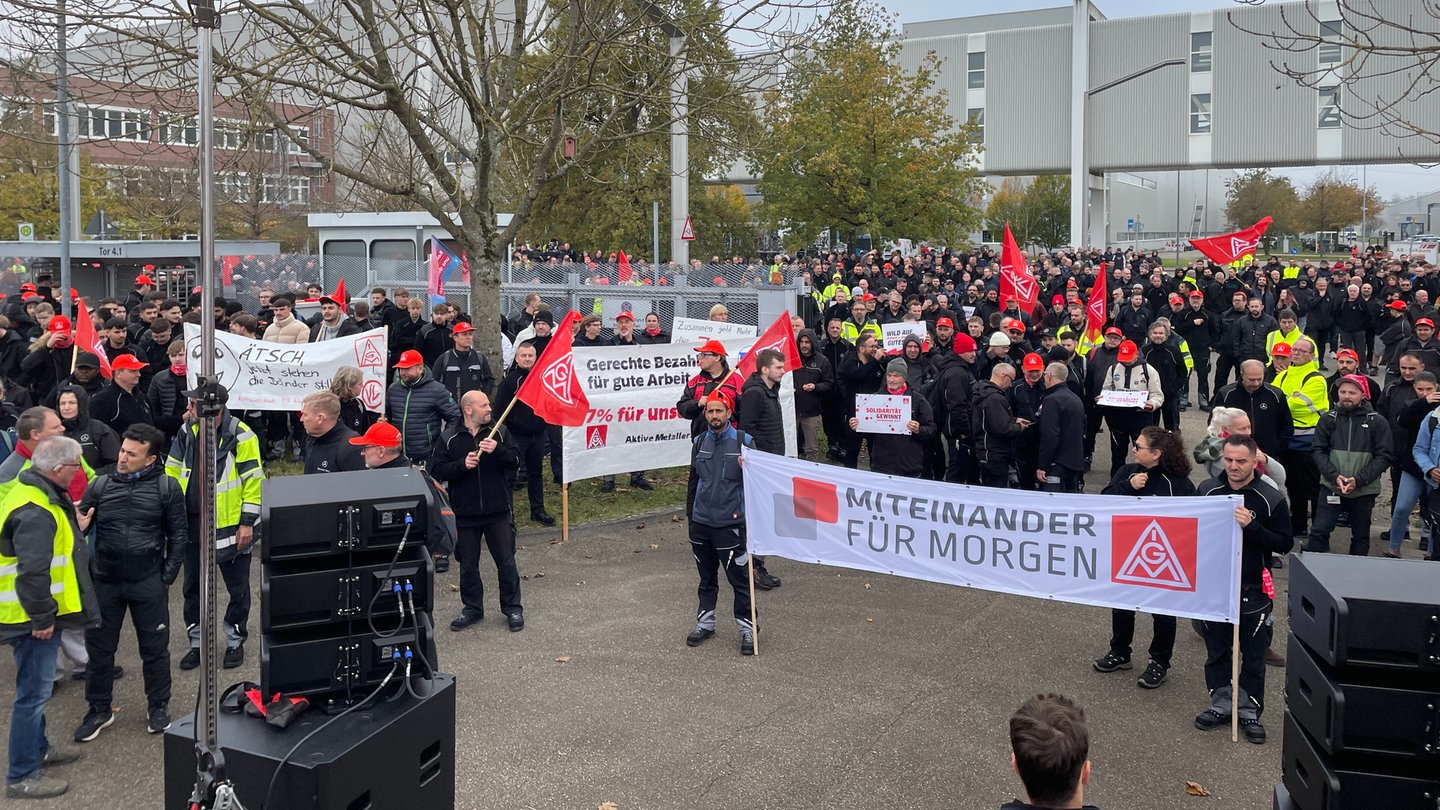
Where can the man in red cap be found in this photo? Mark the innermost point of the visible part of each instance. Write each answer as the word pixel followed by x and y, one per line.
pixel 1125 423
pixel 380 447
pixel 122 404
pixel 1423 344
pixel 460 368
pixel 144 285
pixel 1098 364
pixel 1348 362
pixel 625 334
pixel 1200 329
pixel 1280 354
pixel 714 374
pixel 419 404
pixel 954 385
pixel 1025 395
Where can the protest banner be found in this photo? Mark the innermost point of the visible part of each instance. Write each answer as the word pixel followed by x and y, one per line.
pixel 1108 551
pixel 264 376
pixel 1123 399
pixel 895 334
pixel 882 413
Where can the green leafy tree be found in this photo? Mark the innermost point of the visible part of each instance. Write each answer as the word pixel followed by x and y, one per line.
pixel 1332 203
pixel 858 143
pixel 1047 204
pixel 29 177
pixel 1007 205
pixel 1257 194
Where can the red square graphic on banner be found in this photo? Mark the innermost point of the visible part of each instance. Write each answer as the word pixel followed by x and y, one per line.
pixel 1157 552
pixel 596 436
pixel 816 500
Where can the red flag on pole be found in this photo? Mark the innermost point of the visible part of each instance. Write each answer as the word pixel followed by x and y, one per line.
pixel 1016 280
pixel 340 294
pixel 87 339
pixel 551 389
pixel 1096 314
pixel 780 337
pixel 1229 248
pixel 623 271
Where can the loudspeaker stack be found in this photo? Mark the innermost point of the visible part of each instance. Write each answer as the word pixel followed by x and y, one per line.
pixel 1362 685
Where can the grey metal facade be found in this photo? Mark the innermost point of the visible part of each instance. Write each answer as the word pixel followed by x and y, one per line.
pixel 1256 115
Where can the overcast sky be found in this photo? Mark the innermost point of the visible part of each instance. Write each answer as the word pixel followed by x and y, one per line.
pixel 1390 181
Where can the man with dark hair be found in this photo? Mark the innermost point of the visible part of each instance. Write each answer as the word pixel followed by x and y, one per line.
pixel 1050 746
pixel 139 548
pixel 760 417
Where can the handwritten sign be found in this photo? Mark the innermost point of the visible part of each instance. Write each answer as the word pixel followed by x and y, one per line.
pixel 1124 399
pixel 699 330
pixel 277 376
pixel 882 413
pixel 895 334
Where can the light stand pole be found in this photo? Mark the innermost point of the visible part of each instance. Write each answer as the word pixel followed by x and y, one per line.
pixel 62 131
pixel 212 789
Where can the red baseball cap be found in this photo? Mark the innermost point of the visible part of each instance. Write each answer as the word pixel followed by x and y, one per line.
pixel 59 323
pixel 1114 330
pixel 127 362
pixel 1127 351
pixel 1196 294
pixel 626 314
pixel 1398 305
pixel 409 358
pixel 380 434
pixel 1280 350
pixel 1033 362
pixel 1426 322
pixel 1350 353
pixel 144 279
pixel 721 395
pixel 712 346
pixel 463 328
pixel 944 322
pixel 1176 299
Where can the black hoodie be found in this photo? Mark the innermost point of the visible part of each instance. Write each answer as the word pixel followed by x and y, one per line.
pixel 814 368
pixel 99 445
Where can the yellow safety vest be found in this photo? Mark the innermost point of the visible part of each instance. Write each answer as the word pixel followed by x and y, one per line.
pixel 1306 392
pixel 63 584
pixel 849 331
pixel 1277 336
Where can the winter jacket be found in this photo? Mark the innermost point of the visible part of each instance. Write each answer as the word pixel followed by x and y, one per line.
pixel 418 409
pixel 482 494
pixel 1168 362
pixel 993 424
pixel 1135 323
pixel 1156 483
pixel 1226 325
pixel 1353 316
pixel 1137 376
pixel 432 341
pixel 1269 531
pixel 1425 454
pixel 758 414
pixel 291 330
pixel 957 386
pixel 28 536
pixel 347 327
pixel 814 368
pixel 463 372
pixel 167 402
pixel 715 496
pixel 1306 394
pixel 903 454
pixel 1199 327
pixel 1061 430
pixel 1270 421
pixel 354 416
pixel 140 526
pixel 691 405
pixel 859 378
pixel 333 452
pixel 1248 335
pixel 1404 431
pixel 1353 443
pixel 120 409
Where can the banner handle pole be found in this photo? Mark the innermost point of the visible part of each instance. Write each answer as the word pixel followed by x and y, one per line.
pixel 498 422
pixel 1235 683
pixel 754 628
pixel 564 513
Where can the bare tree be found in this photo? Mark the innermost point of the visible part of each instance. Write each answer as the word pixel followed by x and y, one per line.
pixel 1381 57
pixel 460 108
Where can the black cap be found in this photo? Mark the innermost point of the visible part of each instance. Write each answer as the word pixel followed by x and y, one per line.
pixel 87 359
pixel 546 316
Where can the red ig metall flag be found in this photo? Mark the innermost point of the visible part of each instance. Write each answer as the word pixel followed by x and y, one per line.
pixel 780 337
pixel 1016 280
pixel 552 389
pixel 1229 248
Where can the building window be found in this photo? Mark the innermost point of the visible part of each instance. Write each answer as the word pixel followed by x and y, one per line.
pixel 975 75
pixel 1332 32
pixel 229 135
pixel 976 116
pixel 299 138
pixel 114 124
pixel 285 190
pixel 1329 107
pixel 233 187
pixel 1199 113
pixel 1200 51
pixel 182 132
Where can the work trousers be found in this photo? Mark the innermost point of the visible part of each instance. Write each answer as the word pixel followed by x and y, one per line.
pixel 149 608
pixel 497 537
pixel 1162 640
pixel 1327 515
pixel 235 571
pixel 1256 628
pixel 715 548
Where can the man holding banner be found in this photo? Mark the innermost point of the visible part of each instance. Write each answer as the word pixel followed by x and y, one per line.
pixel 1264 521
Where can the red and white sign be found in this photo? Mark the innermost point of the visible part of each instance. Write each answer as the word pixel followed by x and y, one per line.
pixel 1102 550
pixel 687 232
pixel 264 376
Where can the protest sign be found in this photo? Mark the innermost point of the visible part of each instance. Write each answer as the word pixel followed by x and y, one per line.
pixel 277 376
pixel 737 337
pixel 1123 399
pixel 1108 551
pixel 882 413
pixel 895 334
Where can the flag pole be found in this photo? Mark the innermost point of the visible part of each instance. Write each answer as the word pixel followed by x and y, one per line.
pixel 1235 683
pixel 496 427
pixel 754 628
pixel 564 513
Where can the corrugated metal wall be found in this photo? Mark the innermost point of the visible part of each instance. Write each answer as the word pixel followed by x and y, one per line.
pixel 951 74
pixel 1143 123
pixel 1027 100
pixel 1260 117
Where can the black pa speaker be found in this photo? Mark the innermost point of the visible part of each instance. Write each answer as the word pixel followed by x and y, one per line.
pixel 1367 611
pixel 1316 782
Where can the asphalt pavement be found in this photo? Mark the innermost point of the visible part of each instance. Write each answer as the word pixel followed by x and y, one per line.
pixel 869 691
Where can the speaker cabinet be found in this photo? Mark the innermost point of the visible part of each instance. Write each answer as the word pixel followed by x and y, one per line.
pixel 1316 782
pixel 1367 611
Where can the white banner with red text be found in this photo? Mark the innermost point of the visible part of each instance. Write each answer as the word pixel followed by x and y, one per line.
pixel 1175 556
pixel 633 423
pixel 264 376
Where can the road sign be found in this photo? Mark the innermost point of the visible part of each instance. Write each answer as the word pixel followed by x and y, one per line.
pixel 687 233
pixel 1129 224
pixel 27 232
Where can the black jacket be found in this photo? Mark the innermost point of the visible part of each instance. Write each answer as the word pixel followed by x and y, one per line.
pixel 432 341
pixel 522 419
pixel 418 409
pixel 1270 420
pixel 1061 430
pixel 1268 533
pixel 333 452
pixel 482 494
pixel 859 378
pixel 120 409
pixel 993 423
pixel 348 327
pixel 139 527
pixel 903 454
pixel 462 372
pixel 167 402
pixel 1247 337
pixel 1199 327
pixel 814 368
pixel 759 415
pixel 1156 483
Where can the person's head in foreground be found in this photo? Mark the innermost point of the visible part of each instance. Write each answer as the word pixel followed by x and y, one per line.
pixel 1051 748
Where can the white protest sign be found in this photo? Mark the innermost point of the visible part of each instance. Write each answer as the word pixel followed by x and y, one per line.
pixel 882 413
pixel 1124 399
pixel 633 423
pixel 277 376
pixel 1103 550
pixel 737 337
pixel 895 334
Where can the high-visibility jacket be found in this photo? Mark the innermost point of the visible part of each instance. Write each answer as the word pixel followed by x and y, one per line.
pixel 1306 392
pixel 237 487
pixel 64 585
pixel 1281 337
pixel 851 332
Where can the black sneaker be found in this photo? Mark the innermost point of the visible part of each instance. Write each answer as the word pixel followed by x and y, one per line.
pixel 747 641
pixel 516 621
pixel 95 720
pixel 191 660
pixel 159 720
pixel 466 618
pixel 699 636
pixel 442 563
pixel 607 486
pixel 1153 676
pixel 642 483
pixel 1111 662
pixel 1209 720
pixel 764 580
pixel 1252 730
pixel 542 517
pixel 234 656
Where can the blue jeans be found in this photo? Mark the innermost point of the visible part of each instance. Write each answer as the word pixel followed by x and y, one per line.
pixel 1410 492
pixel 34 669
